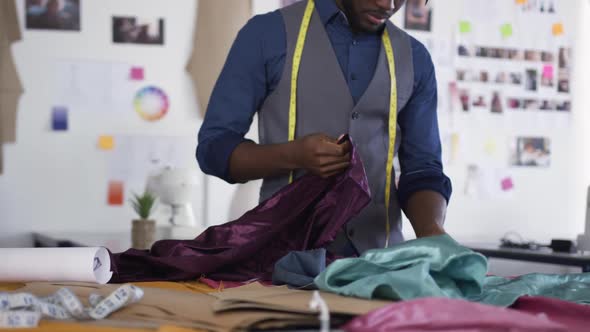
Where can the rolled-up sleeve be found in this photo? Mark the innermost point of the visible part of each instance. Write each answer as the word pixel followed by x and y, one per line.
pixel 238 93
pixel 420 149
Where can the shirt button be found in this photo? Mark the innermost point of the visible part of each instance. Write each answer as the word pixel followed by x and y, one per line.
pixel 354 42
pixel 355 115
pixel 353 77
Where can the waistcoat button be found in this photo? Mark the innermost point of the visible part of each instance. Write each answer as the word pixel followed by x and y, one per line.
pixel 351 232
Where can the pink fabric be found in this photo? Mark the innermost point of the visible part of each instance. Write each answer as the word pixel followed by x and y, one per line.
pixel 448 315
pixel 231 284
pixel 575 316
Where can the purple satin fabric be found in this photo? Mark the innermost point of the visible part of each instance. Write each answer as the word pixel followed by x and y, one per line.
pixel 304 215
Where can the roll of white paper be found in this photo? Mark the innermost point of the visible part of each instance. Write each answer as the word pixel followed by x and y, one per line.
pixel 90 264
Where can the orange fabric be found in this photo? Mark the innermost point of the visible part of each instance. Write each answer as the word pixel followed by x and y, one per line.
pixel 51 326
pixel 48 325
pixel 10 286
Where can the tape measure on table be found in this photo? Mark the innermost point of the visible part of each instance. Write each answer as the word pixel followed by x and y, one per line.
pixel 24 310
pixel 392 126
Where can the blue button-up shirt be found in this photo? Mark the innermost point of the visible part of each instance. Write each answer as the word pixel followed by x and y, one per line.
pixel 254 68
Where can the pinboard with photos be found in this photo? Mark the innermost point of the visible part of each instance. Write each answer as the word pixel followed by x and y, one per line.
pixel 503 69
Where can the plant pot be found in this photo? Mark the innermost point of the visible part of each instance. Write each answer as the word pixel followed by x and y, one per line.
pixel 143 233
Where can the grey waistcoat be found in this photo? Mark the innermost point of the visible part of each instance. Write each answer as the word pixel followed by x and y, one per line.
pixel 325 105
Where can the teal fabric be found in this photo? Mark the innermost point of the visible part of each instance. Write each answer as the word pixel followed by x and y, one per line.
pixel 504 292
pixel 440 267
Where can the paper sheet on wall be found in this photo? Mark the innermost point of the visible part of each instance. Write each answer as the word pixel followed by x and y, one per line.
pixel 106 142
pixel 94 86
pixel 484 182
pixel 133 158
pixel 443 52
pixel 55 264
pixel 451 147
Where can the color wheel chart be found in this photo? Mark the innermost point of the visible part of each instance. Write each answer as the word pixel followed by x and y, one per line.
pixel 151 103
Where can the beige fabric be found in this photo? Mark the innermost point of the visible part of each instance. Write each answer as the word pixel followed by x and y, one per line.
pixel 10 20
pixel 235 309
pixel 218 23
pixel 10 85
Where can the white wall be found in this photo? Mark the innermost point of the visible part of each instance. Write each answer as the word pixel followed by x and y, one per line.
pixel 546 203
pixel 57 182
pixel 582 100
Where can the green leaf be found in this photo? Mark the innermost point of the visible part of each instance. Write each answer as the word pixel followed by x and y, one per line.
pixel 143 205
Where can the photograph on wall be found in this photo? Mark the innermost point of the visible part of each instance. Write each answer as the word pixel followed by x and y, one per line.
pixel 484 76
pixel 464 50
pixel 52 15
pixel 531 104
pixel 531 152
pixel 501 77
pixel 464 100
pixel 547 57
pixel 418 16
pixel 515 103
pixel 563 75
pixel 134 30
pixel 547 77
pixel 532 80
pixel 565 58
pixel 531 55
pixel 496 105
pixel 516 78
pixel 479 101
pixel 515 55
pixel 563 83
pixel 467 76
pixel 563 106
pixel 538 6
pixel 547 105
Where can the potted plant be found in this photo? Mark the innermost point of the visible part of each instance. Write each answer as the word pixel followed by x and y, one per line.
pixel 143 230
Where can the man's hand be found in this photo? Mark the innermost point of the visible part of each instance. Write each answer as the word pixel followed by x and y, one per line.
pixel 321 155
pixel 316 153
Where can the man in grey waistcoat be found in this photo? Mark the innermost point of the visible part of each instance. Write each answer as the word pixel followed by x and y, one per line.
pixel 343 86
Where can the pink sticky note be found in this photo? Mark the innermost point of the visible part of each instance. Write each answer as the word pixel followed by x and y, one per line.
pixel 548 71
pixel 136 73
pixel 507 184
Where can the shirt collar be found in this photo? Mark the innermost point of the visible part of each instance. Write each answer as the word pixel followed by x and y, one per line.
pixel 327 10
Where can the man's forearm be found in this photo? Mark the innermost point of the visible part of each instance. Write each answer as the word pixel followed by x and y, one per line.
pixel 250 161
pixel 426 211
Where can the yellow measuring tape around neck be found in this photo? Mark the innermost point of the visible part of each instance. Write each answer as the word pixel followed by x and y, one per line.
pixel 295 71
pixel 392 123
